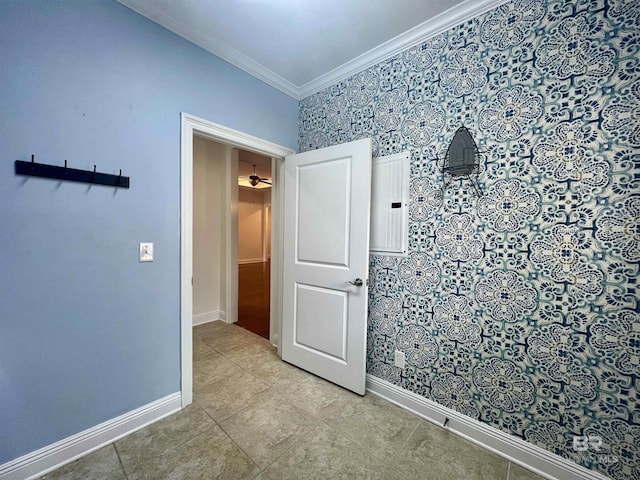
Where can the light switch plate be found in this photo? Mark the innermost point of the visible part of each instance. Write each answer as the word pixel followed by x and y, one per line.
pixel 146 252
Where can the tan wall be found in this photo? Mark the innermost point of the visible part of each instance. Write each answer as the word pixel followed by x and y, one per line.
pixel 208 225
pixel 250 225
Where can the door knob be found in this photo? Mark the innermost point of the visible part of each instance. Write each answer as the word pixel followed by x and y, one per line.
pixel 357 282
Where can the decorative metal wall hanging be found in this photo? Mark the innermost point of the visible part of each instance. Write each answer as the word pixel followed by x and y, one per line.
pixel 462 160
pixel 34 169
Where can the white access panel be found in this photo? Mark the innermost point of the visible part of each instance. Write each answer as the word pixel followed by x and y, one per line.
pixel 389 204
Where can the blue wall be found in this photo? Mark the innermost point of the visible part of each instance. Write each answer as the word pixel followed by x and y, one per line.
pixel 86 332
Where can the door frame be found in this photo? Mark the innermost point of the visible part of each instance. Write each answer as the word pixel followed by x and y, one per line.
pixel 191 125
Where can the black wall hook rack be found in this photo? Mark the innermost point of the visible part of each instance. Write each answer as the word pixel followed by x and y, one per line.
pixel 34 169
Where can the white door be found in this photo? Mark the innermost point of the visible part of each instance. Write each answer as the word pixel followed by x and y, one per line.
pixel 326 250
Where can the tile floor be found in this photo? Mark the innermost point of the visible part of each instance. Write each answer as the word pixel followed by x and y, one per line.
pixel 256 417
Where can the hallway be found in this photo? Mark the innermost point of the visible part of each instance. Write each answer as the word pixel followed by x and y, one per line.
pixel 253 297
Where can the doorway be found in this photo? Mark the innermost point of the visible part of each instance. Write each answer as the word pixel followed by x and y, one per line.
pixel 254 245
pixel 233 140
pixel 253 226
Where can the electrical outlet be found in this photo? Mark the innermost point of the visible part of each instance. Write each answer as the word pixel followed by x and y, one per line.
pixel 398 358
pixel 146 252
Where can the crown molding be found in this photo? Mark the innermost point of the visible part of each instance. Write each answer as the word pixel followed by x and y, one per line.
pixel 219 49
pixel 450 18
pixel 455 16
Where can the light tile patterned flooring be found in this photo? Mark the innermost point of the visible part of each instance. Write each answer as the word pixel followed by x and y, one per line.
pixel 256 417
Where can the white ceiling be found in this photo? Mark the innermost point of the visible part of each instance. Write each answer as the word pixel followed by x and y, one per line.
pixel 303 46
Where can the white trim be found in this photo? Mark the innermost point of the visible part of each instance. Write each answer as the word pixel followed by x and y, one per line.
pixel 277 239
pixel 206 317
pixel 514 449
pixel 46 459
pixel 250 260
pixel 440 23
pixel 231 206
pixel 186 260
pixel 233 137
pixel 191 125
pixel 266 226
pixel 216 47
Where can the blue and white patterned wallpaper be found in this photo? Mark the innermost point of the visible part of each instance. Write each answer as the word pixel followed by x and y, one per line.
pixel 518 308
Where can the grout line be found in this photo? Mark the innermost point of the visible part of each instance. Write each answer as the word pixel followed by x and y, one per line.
pixel 242 450
pixel 271 388
pixel 205 412
pixel 508 470
pixel 308 430
pixel 404 444
pixel 237 364
pixel 358 443
pixel 244 369
pixel 124 470
pixel 264 475
pixel 242 343
pixel 177 445
pixel 197 340
pixel 251 404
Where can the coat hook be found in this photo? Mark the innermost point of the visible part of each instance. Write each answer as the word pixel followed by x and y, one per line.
pixel 65 172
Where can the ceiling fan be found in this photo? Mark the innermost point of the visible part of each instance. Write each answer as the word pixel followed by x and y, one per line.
pixel 255 179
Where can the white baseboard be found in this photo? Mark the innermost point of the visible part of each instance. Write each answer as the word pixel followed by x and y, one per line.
pixel 35 464
pixel 250 260
pixel 529 456
pixel 207 317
